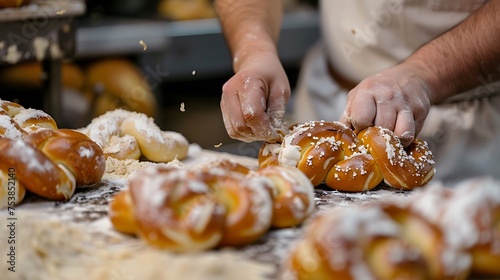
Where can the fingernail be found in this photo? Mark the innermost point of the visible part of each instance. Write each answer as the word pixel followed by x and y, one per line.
pixel 406 138
pixel 407 135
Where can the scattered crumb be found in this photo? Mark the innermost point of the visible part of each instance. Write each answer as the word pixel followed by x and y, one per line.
pixel 61 12
pixel 218 145
pixel 183 109
pixel 144 46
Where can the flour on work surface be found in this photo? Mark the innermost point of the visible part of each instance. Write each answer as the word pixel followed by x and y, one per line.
pixel 57 250
pixel 122 169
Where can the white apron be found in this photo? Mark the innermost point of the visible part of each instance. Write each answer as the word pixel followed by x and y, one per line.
pixel 362 37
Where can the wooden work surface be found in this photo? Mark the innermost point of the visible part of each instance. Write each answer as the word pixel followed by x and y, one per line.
pixel 75 239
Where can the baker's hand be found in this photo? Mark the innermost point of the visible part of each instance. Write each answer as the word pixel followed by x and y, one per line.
pixel 254 99
pixel 397 98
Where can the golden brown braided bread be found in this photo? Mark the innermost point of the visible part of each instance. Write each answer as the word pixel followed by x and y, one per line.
pixel 354 243
pixel 331 153
pixel 51 163
pixel 11 190
pixel 439 233
pixel 386 242
pixel 17 121
pixel 188 210
pixel 38 157
pixel 469 216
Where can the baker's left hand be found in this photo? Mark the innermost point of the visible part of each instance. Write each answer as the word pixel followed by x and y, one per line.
pixel 397 98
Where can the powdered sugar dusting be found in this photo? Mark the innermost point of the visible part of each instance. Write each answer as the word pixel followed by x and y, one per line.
pixel 261 203
pixel 464 214
pixel 200 215
pixel 298 207
pixel 86 152
pixel 467 212
pixel 31 159
pixel 173 138
pixel 350 225
pixel 430 202
pixel 147 128
pixel 101 129
pixel 301 184
pixel 112 131
pixel 8 129
pixel 28 114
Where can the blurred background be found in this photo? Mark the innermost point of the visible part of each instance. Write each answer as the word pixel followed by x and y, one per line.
pixel 165 58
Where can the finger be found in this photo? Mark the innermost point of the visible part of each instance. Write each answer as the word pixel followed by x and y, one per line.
pixel 419 123
pixel 276 107
pixel 226 119
pixel 233 118
pixel 363 113
pixel 420 108
pixel 405 127
pixel 346 115
pixel 386 117
pixel 277 101
pixel 254 109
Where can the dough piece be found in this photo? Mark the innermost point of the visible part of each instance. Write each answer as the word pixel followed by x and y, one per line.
pixel 129 135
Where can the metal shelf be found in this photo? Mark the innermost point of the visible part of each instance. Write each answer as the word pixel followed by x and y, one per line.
pixel 118 36
pixel 181 47
pixel 41 31
pixel 200 46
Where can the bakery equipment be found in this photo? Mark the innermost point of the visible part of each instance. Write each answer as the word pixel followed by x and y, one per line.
pixel 41 31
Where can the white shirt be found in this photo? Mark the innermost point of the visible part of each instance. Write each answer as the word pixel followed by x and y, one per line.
pixel 365 36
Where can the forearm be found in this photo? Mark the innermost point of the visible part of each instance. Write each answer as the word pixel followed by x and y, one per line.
pixel 464 57
pixel 249 25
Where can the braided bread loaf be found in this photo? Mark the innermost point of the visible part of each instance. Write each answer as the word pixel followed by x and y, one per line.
pixel 222 205
pixel 11 190
pixel 51 163
pixel 36 156
pixel 331 153
pixel 469 217
pixel 441 234
pixel 17 121
pixel 129 135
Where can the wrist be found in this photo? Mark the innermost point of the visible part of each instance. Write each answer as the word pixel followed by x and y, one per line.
pixel 430 77
pixel 250 53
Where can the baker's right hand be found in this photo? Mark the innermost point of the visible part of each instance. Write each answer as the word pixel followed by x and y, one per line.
pixel 254 99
